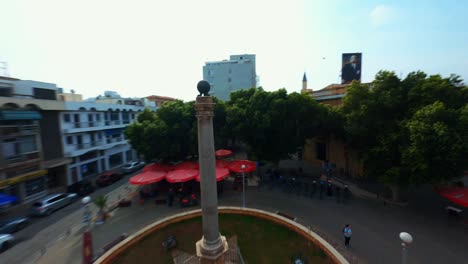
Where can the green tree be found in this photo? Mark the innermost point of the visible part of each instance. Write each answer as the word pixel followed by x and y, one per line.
pixel 409 131
pixel 274 124
pixel 171 132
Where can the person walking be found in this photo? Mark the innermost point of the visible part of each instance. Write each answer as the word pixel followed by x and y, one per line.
pixel 170 197
pixel 347 232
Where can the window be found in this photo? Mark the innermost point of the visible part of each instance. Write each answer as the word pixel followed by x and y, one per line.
pixel 47 94
pixel 35 186
pixel 69 140
pixel 321 150
pixel 129 155
pixel 17 146
pixel 66 117
pixel 98 117
pixel 229 79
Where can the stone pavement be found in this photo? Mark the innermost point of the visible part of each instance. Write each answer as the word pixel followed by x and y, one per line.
pixel 437 239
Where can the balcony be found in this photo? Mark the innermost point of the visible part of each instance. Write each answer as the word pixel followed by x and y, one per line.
pixel 80 149
pixel 19 130
pixel 90 144
pixel 87 124
pixel 113 122
pixel 114 140
pixel 20 159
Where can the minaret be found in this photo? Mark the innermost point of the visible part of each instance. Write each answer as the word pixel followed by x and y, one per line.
pixel 304 83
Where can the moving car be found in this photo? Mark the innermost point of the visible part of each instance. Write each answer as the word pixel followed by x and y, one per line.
pixel 6 241
pixel 132 166
pixel 81 188
pixel 12 225
pixel 108 178
pixel 50 203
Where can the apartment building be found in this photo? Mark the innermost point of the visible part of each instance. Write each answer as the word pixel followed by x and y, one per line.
pixel 28 122
pixel 92 135
pixel 239 72
pixel 50 139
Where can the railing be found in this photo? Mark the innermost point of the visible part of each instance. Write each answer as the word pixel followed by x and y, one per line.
pixel 116 139
pixel 30 156
pixel 113 122
pixel 87 124
pixel 19 129
pixel 89 144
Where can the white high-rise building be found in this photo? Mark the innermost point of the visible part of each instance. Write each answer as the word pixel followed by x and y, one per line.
pixel 230 75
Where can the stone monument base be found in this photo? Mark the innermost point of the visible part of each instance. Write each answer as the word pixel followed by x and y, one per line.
pixel 211 251
pixel 231 255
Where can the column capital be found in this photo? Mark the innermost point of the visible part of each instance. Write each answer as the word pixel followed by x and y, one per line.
pixel 204 106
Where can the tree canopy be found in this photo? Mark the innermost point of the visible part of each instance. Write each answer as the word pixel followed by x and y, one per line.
pixel 271 124
pixel 408 131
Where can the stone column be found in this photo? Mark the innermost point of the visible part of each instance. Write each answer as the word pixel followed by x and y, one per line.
pixel 212 245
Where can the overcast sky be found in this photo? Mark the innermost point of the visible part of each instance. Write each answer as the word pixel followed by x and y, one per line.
pixel 156 47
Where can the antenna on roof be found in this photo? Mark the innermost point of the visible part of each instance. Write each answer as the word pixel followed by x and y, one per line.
pixel 4 67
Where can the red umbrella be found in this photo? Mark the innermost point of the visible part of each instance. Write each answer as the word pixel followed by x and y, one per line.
pixel 147 177
pixel 187 165
pixel 221 174
pixel 223 152
pixel 222 163
pixel 181 175
pixel 157 167
pixel 236 166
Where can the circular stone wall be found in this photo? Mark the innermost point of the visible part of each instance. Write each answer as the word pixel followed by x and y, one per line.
pixel 114 254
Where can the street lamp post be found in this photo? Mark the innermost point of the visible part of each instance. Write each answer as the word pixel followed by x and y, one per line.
pixel 243 185
pixel 87 238
pixel 406 240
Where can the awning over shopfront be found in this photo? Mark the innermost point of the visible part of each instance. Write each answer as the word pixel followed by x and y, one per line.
pixel 458 195
pixel 19 115
pixel 147 177
pixel 22 178
pixel 6 199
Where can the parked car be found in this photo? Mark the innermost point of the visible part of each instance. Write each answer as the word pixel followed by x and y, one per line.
pixel 81 188
pixel 50 203
pixel 6 241
pixel 132 166
pixel 12 225
pixel 108 178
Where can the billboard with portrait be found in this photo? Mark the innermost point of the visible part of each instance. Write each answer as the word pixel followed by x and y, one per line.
pixel 351 67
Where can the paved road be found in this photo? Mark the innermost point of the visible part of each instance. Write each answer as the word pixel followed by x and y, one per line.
pixel 45 231
pixel 375 226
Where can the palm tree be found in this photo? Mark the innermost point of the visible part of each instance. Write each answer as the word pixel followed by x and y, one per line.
pixel 101 202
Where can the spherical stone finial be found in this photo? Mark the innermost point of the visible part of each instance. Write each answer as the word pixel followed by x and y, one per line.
pixel 204 88
pixel 406 238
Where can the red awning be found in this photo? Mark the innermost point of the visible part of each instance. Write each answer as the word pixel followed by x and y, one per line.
pixel 187 165
pixel 222 163
pixel 458 195
pixel 147 177
pixel 223 153
pixel 236 166
pixel 221 174
pixel 181 175
pixel 158 167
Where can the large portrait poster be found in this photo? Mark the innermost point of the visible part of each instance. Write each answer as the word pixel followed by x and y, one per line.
pixel 351 67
